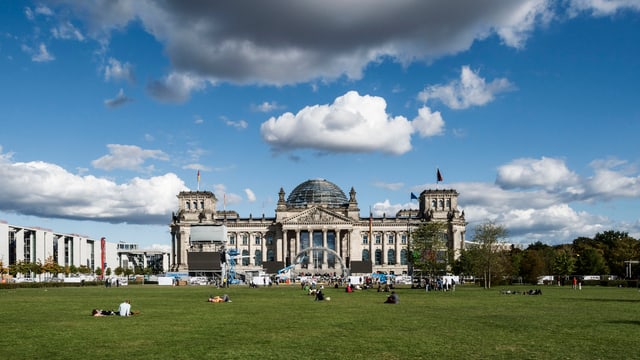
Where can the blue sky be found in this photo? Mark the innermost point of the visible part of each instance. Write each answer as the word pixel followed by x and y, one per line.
pixel 528 108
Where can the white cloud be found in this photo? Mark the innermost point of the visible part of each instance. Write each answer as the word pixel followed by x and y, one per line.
pixel 240 124
pixel 44 10
pixel 55 193
pixel 602 7
pixel 469 90
pixel 251 197
pixel 115 70
pixel 428 123
pixel 42 54
pixel 538 200
pixel 353 123
pixel 545 173
pixel 613 178
pixel 118 101
pixel 67 31
pixel 266 107
pixel 129 157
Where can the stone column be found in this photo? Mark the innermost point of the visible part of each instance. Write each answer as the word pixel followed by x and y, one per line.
pixel 325 256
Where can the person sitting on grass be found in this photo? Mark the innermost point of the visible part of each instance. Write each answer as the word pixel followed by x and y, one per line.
pixel 319 295
pixel 125 308
pixel 392 299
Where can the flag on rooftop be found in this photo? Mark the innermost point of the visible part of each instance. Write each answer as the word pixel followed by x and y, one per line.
pixel 438 176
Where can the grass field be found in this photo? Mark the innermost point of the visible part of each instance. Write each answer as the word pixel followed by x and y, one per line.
pixel 284 323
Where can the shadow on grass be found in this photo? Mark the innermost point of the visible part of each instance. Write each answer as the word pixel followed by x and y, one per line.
pixel 604 300
pixel 625 322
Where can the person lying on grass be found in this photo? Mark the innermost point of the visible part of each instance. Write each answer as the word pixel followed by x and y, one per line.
pixel 217 299
pixel 99 312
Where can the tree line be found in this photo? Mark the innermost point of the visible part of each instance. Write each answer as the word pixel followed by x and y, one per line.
pixel 491 259
pixel 51 269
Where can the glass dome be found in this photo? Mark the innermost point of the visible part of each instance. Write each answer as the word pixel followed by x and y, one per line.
pixel 320 192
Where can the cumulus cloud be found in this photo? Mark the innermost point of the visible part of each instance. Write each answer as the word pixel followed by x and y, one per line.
pixel 531 173
pixel 115 70
pixel 613 178
pixel 53 192
pixel 289 42
pixel 353 123
pixel 118 101
pixel 469 90
pixel 128 157
pixel 428 123
pixel 538 200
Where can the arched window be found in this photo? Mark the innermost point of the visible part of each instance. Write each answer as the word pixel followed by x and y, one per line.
pixel 188 205
pixel 391 257
pixel 258 257
pixel 245 257
pixel 378 257
pixel 195 205
pixel 403 257
pixel 365 255
pixel 448 203
pixel 271 255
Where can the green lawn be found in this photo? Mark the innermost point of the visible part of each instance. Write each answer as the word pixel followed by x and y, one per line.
pixel 284 323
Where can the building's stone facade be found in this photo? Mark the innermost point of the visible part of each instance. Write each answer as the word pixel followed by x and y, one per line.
pixel 317 214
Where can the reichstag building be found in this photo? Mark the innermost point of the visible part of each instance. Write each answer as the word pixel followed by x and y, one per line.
pixel 317 229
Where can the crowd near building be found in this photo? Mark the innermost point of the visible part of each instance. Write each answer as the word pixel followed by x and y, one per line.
pixel 316 230
pixel 38 245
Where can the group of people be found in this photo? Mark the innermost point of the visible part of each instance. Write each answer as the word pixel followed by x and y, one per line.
pixel 123 310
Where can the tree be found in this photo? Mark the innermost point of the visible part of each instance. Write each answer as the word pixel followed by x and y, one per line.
pixel 51 266
pixel 429 251
pixel 20 267
pixel 591 262
pixel 119 271
pixel 488 249
pixel 532 266
pixel 464 264
pixel 618 247
pixel 564 263
pixel 36 268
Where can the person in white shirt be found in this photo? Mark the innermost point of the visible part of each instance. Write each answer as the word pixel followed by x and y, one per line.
pixel 125 308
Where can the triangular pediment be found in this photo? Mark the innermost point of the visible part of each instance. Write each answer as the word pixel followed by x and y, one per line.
pixel 316 215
